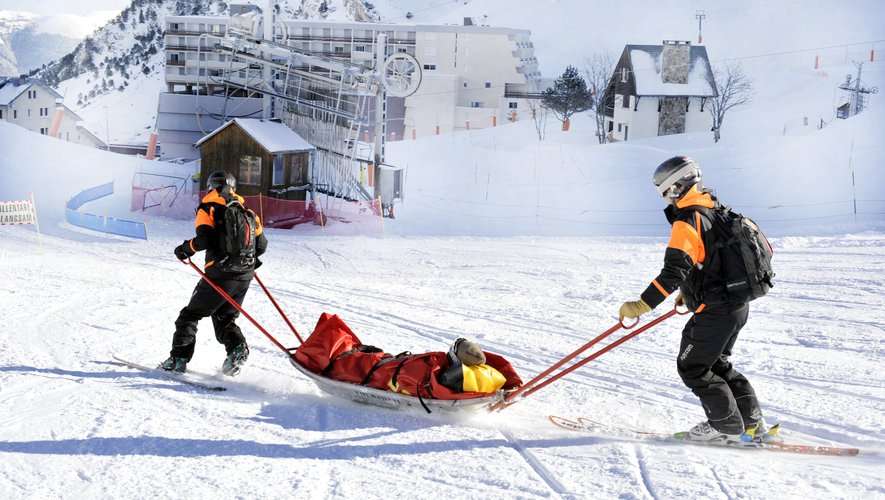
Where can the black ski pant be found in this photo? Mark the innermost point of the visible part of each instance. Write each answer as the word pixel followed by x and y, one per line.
pixel 204 302
pixel 727 396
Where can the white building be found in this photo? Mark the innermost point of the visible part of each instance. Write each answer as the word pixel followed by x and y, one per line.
pixel 660 90
pixel 35 106
pixel 473 76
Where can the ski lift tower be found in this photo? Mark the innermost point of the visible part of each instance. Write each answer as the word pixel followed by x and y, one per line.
pixel 857 94
pixel 324 99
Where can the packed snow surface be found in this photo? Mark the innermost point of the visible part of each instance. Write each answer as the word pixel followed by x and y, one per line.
pixel 76 426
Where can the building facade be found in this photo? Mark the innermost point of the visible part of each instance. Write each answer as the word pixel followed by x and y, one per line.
pixel 472 76
pixel 659 90
pixel 35 106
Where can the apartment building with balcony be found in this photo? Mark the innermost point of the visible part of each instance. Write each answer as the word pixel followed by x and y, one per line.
pixel 472 76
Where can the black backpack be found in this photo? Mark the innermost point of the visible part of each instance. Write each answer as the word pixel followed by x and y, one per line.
pixel 741 255
pixel 238 235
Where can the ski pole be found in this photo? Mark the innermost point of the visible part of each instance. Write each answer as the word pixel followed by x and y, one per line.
pixel 238 307
pixel 279 310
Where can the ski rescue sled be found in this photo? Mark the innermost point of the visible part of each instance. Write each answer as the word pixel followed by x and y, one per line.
pixel 338 363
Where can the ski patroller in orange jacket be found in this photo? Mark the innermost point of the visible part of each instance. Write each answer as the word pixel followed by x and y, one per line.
pixel 690 238
pixel 210 212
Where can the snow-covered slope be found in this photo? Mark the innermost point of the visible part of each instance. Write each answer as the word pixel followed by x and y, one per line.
pixel 72 300
pixel 503 181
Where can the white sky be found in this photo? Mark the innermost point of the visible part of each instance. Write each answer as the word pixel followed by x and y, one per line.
pixel 52 7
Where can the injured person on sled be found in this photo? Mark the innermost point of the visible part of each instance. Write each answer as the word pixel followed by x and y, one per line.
pixel 333 351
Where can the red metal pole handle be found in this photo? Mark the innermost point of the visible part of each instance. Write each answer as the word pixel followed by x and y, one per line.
pixel 563 361
pixel 238 307
pixel 600 352
pixel 279 310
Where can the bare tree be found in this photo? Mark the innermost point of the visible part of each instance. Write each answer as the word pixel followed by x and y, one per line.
pixel 598 70
pixel 734 88
pixel 539 117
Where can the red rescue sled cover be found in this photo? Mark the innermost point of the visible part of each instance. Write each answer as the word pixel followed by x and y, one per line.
pixel 334 351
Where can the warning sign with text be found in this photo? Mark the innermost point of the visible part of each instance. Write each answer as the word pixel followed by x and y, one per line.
pixel 17 212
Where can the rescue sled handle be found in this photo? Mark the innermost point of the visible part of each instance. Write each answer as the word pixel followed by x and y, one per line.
pixel 238 307
pixel 279 310
pixel 539 382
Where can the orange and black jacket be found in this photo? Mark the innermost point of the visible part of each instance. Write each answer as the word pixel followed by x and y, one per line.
pixel 210 215
pixel 687 253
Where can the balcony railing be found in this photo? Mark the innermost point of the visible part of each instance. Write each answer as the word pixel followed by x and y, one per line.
pixel 192 33
pixel 179 62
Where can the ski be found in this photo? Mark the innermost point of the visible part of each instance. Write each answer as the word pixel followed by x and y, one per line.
pixel 586 425
pixel 178 377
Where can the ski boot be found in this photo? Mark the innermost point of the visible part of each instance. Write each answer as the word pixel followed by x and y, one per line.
pixel 761 433
pixel 173 364
pixel 706 433
pixel 235 360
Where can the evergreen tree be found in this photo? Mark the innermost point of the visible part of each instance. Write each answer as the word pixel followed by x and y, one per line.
pixel 569 95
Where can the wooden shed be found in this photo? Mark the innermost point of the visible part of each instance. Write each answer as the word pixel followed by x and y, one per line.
pixel 266 156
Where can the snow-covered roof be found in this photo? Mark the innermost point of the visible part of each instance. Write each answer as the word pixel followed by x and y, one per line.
pixel 10 91
pixel 273 136
pixel 646 61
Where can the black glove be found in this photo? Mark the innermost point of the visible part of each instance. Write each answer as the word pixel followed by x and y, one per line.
pixel 184 251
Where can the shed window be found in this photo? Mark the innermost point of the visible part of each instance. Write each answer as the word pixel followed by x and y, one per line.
pixel 279 174
pixel 250 171
pixel 298 169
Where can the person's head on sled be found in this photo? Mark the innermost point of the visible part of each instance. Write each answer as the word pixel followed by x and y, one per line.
pixel 468 371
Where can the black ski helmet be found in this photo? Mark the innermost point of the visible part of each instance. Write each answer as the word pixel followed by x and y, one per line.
pixel 218 179
pixel 676 176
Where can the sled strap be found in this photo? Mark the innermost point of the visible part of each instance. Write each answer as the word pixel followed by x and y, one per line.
pixel 381 362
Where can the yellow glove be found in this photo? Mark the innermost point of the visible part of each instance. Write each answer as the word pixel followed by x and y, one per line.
pixel 633 309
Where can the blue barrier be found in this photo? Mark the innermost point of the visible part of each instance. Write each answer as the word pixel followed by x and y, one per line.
pixel 101 223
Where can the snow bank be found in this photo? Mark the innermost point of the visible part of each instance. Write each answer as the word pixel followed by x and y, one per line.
pixel 503 181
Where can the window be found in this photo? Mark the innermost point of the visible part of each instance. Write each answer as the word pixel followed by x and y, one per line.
pixel 181 42
pixel 202 27
pixel 465 85
pixel 15 114
pixel 173 26
pixel 1 114
pixel 512 105
pixel 359 48
pixel 29 112
pixel 619 126
pixel 250 171
pixel 659 104
pixel 703 101
pixel 475 104
pixel 626 101
pixel 298 169
pixel 611 126
pixel 202 71
pixel 202 56
pixel 488 85
pixel 623 75
pixel 278 176
pixel 44 131
pixel 180 71
pixel 339 50
pixel 402 49
pixel 430 67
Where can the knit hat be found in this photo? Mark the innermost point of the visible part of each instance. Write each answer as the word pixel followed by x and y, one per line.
pixel 470 353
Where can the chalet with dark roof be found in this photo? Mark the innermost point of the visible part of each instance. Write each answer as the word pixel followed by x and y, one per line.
pixel 659 90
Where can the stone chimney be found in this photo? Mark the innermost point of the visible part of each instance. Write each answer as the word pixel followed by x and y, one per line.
pixel 675 61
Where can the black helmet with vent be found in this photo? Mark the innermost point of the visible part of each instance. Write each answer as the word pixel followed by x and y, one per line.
pixel 676 176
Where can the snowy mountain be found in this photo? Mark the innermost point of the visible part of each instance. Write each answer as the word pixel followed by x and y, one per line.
pixel 28 41
pixel 114 75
